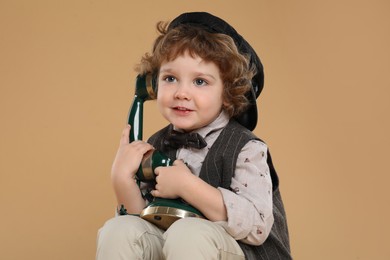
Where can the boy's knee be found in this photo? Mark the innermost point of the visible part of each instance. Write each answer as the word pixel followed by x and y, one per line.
pixel 122 227
pixel 120 223
pixel 192 238
pixel 131 236
pixel 189 229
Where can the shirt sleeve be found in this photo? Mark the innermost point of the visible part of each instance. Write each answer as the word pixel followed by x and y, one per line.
pixel 249 202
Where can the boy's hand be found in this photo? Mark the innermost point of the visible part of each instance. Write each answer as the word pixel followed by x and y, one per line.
pixel 171 180
pixel 128 157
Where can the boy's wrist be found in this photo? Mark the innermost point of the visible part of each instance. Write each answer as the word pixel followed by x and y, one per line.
pixel 117 177
pixel 124 183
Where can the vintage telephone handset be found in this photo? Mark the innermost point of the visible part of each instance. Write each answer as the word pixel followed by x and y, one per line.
pixel 161 212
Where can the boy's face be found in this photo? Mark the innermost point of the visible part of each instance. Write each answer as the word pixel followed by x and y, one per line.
pixel 189 92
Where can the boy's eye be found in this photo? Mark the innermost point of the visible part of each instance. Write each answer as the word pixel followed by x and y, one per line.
pixel 169 79
pixel 200 82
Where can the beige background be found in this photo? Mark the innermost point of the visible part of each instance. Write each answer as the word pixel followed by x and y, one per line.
pixel 66 83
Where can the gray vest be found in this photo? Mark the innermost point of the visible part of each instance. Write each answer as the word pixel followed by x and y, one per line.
pixel 218 169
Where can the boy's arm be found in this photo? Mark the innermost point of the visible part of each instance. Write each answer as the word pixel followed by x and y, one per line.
pixel 249 201
pixel 126 163
pixel 128 194
pixel 204 197
pixel 178 181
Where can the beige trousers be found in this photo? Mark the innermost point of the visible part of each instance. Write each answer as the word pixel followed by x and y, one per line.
pixel 130 237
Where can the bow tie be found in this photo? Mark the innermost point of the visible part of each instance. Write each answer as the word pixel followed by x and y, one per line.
pixel 177 140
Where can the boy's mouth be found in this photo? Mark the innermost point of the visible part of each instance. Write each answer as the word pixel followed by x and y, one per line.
pixel 182 109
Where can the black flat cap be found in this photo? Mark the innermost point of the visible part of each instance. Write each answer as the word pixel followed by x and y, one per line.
pixel 215 24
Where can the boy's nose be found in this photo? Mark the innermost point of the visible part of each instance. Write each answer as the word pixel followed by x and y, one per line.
pixel 182 91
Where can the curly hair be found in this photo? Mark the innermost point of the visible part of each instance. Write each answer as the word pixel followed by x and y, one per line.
pixel 235 71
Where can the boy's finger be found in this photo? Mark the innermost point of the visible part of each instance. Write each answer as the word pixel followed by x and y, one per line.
pixel 178 162
pixel 155 193
pixel 157 170
pixel 125 135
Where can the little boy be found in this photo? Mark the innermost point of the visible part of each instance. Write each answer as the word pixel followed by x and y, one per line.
pixel 208 78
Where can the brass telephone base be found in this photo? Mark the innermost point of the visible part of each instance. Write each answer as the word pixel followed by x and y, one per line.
pixel 163 216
